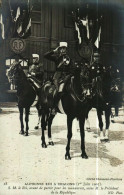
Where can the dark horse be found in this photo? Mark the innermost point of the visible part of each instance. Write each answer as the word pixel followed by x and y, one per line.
pixel 25 93
pixel 71 103
pixel 101 98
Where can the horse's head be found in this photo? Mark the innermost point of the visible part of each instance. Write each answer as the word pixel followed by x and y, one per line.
pixel 101 83
pixel 83 72
pixel 81 85
pixel 14 71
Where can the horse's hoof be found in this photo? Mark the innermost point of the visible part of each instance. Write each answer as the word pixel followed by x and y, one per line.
pixel 36 127
pixel 88 129
pixel 51 143
pixel 112 121
pixel 106 140
pixel 21 132
pixel 26 134
pixel 102 141
pixel 44 146
pixel 84 156
pixel 102 138
pixel 67 157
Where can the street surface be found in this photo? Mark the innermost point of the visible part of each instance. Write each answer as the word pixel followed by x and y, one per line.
pixel 23 160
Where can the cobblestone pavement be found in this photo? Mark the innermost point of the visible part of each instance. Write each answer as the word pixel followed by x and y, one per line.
pixel 23 160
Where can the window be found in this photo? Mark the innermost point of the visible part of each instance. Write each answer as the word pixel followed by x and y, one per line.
pixel 68 14
pixel 23 63
pixel 36 5
pixel 36 11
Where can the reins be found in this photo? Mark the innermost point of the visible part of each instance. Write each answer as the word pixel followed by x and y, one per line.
pixel 80 100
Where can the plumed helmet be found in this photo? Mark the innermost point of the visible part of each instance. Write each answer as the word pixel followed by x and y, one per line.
pixel 63 44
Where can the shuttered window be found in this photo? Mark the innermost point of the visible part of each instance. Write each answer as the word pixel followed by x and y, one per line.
pixel 36 11
pixel 36 18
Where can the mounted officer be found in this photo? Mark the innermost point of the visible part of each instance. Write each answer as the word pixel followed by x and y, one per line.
pixel 62 61
pixel 10 78
pixel 36 71
pixel 96 71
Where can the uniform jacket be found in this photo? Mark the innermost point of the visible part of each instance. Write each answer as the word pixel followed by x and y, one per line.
pixel 59 61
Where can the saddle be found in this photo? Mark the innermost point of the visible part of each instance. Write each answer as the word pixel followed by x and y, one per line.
pixel 36 83
pixel 61 89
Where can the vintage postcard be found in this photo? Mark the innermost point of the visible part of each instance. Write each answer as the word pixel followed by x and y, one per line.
pixel 61 97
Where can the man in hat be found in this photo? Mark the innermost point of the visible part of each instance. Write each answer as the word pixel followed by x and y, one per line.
pixel 36 69
pixel 62 61
pixel 96 67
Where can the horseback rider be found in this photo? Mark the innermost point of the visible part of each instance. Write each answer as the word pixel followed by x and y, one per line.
pixel 62 61
pixel 96 69
pixel 10 78
pixel 36 71
pixel 90 71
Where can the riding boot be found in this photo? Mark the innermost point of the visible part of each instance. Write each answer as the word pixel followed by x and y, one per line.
pixel 57 98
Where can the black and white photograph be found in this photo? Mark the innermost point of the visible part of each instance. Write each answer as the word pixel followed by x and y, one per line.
pixel 61 97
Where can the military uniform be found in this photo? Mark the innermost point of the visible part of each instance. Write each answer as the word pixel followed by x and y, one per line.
pixel 62 63
pixel 36 70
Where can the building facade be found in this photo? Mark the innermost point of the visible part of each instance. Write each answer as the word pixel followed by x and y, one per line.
pixel 51 22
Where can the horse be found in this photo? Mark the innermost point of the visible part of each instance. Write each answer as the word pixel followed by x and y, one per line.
pixel 100 87
pixel 71 102
pixel 101 101
pixel 116 94
pixel 26 94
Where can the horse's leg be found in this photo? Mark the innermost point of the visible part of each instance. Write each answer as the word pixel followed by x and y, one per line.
pixel 116 110
pixel 87 120
pixel 82 133
pixel 21 119
pixel 27 110
pixel 99 114
pixel 37 126
pixel 43 128
pixel 50 119
pixel 107 118
pixel 39 116
pixel 87 124
pixel 69 136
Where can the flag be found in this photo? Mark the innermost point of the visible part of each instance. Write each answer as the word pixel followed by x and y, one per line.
pixel 97 42
pixel 20 18
pixel 19 29
pixel 2 27
pixel 17 14
pixel 85 23
pixel 87 27
pixel 28 26
pixel 26 23
pixel 79 36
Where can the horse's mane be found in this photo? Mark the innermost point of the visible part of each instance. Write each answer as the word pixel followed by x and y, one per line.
pixel 73 86
pixel 21 71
